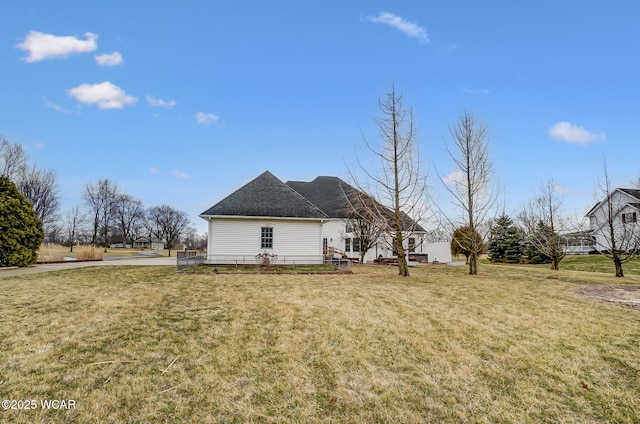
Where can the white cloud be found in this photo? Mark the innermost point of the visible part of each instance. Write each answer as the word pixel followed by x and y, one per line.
pixel 161 103
pixel 206 118
pixel 54 106
pixel 46 46
pixel 566 131
pixel 180 174
pixel 153 170
pixel 105 95
pixel 408 28
pixel 560 189
pixel 109 59
pixel 456 177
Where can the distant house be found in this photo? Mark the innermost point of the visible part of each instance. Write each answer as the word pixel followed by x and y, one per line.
pixel 300 219
pixel 147 243
pixel 625 204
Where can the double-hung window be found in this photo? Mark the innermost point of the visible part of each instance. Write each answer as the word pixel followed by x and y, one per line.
pixel 266 238
pixel 629 217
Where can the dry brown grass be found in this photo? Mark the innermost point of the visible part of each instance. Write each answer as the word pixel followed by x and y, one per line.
pixel 145 345
pixel 88 253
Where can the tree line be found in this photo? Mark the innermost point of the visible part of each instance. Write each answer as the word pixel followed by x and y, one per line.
pixel 107 215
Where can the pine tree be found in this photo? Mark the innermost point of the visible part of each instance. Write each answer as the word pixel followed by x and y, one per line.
pixel 20 229
pixel 507 241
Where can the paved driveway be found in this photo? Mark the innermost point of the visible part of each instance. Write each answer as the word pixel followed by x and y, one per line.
pixel 154 261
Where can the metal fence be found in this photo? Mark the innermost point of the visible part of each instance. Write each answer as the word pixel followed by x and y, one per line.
pixel 189 261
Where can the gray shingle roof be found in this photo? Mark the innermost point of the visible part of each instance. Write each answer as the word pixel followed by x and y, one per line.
pixel 327 193
pixel 265 196
pixel 632 192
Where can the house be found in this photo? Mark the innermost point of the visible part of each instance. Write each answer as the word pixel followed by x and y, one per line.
pixel 148 243
pixel 625 211
pixel 265 216
pixel 298 220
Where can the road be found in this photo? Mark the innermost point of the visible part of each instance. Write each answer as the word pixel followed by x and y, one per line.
pixel 153 261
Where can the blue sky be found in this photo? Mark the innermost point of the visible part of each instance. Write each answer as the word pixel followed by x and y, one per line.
pixel 183 102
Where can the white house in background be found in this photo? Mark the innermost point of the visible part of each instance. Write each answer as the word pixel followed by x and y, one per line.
pixel 148 243
pixel 625 203
pixel 301 221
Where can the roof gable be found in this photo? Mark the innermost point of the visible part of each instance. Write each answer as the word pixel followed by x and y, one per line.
pixel 265 196
pixel 327 193
pixel 628 191
pixel 631 192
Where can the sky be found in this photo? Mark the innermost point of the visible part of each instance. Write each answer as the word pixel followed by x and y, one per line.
pixel 181 103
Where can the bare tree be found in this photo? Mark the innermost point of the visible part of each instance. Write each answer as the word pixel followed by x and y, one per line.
pixel 100 199
pixel 471 188
pixel 168 224
pixel 542 222
pixel 41 188
pixel 128 212
pixel 400 188
pixel 615 229
pixel 360 222
pixel 13 160
pixel 72 225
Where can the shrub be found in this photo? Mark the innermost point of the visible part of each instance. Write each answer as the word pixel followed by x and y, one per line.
pixel 20 229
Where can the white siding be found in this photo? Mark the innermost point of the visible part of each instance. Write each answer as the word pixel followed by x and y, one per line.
pixel 626 234
pixel 241 237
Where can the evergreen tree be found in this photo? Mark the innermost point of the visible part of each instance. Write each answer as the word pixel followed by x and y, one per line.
pixel 507 241
pixel 532 252
pixel 20 229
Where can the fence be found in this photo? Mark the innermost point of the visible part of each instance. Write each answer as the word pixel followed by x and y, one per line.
pixel 188 260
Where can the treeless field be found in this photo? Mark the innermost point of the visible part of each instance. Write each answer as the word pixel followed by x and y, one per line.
pixel 144 344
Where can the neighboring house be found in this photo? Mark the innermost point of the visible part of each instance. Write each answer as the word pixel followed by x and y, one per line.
pixel 297 219
pixel 119 242
pixel 625 203
pixel 147 243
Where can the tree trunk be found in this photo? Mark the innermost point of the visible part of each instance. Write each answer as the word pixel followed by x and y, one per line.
pixel 555 266
pixel 473 263
pixel 403 268
pixel 618 263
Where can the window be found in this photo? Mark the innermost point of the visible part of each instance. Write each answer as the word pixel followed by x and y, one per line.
pixel 325 244
pixel 629 217
pixel 266 238
pixel 412 244
pixel 356 245
pixel 347 245
pixel 348 228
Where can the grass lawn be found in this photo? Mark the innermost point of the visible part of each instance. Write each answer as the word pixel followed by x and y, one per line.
pixel 144 344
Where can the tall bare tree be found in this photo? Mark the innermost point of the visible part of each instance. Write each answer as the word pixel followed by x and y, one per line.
pixel 617 231
pixel 400 187
pixel 41 188
pixel 471 188
pixel 168 224
pixel 72 225
pixel 101 198
pixel 542 222
pixel 129 215
pixel 13 160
